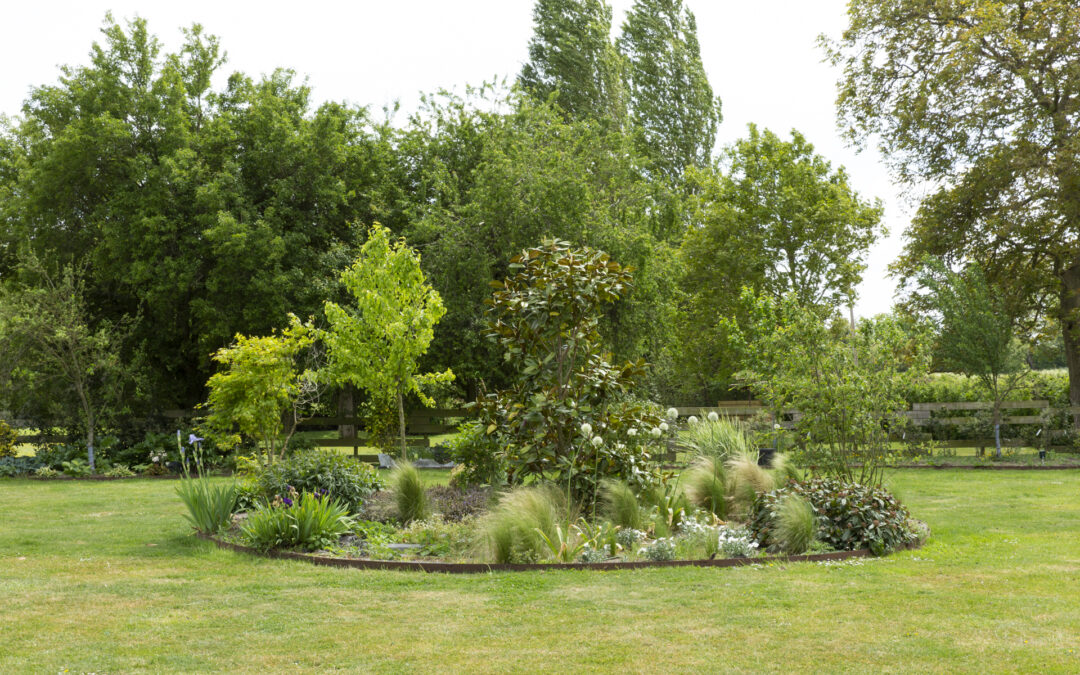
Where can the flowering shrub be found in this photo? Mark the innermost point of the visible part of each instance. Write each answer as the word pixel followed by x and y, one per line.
pixel 628 537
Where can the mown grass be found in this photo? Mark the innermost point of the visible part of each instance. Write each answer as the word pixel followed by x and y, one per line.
pixel 105 577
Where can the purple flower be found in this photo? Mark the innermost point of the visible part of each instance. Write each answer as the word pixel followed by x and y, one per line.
pixel 286 501
pixel 192 439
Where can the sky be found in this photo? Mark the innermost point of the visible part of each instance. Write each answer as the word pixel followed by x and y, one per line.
pixel 761 57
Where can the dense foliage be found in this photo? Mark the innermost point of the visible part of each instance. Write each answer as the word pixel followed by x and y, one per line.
pixel 850 516
pixel 340 477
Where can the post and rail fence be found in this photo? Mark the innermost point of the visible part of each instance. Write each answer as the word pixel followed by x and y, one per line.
pixel 422 425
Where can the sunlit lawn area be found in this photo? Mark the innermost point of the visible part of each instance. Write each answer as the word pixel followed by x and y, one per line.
pixel 105 577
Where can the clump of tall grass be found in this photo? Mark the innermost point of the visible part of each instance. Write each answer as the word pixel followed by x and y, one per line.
pixel 720 439
pixel 784 470
pixel 518 527
pixel 210 506
pixel 620 505
pixel 408 489
pixel 796 525
pixel 706 486
pixel 747 479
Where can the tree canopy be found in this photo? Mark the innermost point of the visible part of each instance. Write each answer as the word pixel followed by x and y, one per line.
pixel 982 101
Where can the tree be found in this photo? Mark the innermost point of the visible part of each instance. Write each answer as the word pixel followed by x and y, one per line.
pixel 571 57
pixel 773 216
pixel 671 101
pixel 378 344
pixel 976 331
pixel 52 349
pixel 847 384
pixel 267 386
pixel 201 212
pixel 981 100
pixel 484 185
pixel 568 412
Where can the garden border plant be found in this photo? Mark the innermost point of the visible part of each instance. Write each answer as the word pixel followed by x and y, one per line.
pixel 480 568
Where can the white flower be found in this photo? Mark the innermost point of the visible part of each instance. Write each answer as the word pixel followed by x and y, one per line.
pixel 632 433
pixel 597 441
pixel 776 427
pixel 692 420
pixel 713 417
pixel 586 429
pixel 620 446
pixel 672 413
pixel 664 426
pixel 656 433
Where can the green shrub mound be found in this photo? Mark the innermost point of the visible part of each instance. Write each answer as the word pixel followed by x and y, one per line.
pixel 306 521
pixel 340 477
pixel 850 516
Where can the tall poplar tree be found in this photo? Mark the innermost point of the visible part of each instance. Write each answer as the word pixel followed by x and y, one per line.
pixel 671 102
pixel 571 55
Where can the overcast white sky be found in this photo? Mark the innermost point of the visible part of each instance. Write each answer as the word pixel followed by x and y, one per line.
pixel 760 56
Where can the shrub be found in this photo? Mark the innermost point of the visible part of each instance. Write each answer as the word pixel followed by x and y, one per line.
pixel 307 521
pixel 8 439
pixel 46 472
pixel 477 457
pixel 705 484
pixel 456 504
pixel 210 505
pixel 719 439
pixel 736 542
pixel 341 477
pixel 850 516
pixel 408 490
pixel 119 471
pixel 15 466
pixel 512 530
pixel 76 468
pixel 796 525
pixel 620 505
pixel 660 550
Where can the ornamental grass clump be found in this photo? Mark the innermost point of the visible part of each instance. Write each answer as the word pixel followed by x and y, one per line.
pixel 408 489
pixel 747 480
pixel 717 437
pixel 210 505
pixel 515 530
pixel 796 525
pixel 621 505
pixel 705 485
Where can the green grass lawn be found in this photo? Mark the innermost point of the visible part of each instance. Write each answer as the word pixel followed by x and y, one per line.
pixel 105 577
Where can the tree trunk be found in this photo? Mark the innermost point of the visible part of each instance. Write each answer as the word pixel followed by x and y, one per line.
pixel 90 442
pixel 346 407
pixel 1070 326
pixel 401 423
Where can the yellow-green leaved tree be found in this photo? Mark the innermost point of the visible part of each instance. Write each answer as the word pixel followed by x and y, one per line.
pixel 377 344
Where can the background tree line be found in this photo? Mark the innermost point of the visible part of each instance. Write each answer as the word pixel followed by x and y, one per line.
pixel 187 214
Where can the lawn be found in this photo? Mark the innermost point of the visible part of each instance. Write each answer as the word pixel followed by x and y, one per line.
pixel 104 577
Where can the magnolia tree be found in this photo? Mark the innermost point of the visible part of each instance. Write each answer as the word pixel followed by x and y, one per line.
pixel 263 390
pixel 377 344
pixel 570 414
pixel 847 383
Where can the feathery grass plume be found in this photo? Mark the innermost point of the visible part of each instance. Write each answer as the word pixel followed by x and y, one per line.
pixel 705 484
pixel 512 529
pixel 796 525
pixel 720 439
pixel 747 479
pixel 784 470
pixel 409 495
pixel 621 505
